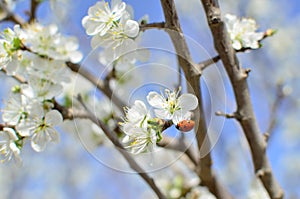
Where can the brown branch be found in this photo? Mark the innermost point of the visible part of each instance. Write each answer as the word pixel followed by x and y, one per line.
pixel 159 25
pixel 227 115
pixel 97 82
pixel 16 77
pixel 70 113
pixel 204 64
pixel 33 9
pixel 10 16
pixel 238 78
pixel 114 139
pixel 172 27
pixel 15 19
pixel 2 126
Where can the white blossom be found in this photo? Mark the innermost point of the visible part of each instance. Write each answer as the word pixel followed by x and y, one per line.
pixel 8 146
pixel 10 43
pixel 257 191
pixel 46 40
pixel 142 140
pixel 15 109
pixel 121 35
pixel 5 58
pixel 52 70
pixel 139 137
pixel 124 57
pixel 243 32
pixel 102 18
pixel 19 64
pixel 40 88
pixel 40 127
pixel 136 118
pixel 114 30
pixel 171 106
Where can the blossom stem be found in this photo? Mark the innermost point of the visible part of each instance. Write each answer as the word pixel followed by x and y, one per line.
pixel 159 25
pixel 280 96
pixel 16 77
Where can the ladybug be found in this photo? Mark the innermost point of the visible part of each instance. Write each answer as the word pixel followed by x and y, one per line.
pixel 185 125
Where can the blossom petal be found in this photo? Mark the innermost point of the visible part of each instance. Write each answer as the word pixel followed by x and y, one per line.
pixel 11 132
pixel 52 134
pixel 128 128
pixel 100 5
pixel 236 45
pixel 131 28
pixel 39 141
pixel 162 113
pixel 140 107
pixel 13 110
pixel 180 116
pixel 155 99
pixel 188 102
pixel 16 152
pixel 53 118
pixel 26 127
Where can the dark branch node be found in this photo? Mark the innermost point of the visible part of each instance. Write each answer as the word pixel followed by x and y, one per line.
pixel 247 71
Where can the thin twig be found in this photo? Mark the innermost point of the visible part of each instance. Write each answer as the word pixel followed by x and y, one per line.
pixel 204 64
pixel 148 26
pixel 104 88
pixel 10 16
pixel 280 96
pixel 227 115
pixel 70 113
pixel 16 77
pixel 33 9
pixel 179 83
pixel 112 137
pixel 238 77
pixel 2 126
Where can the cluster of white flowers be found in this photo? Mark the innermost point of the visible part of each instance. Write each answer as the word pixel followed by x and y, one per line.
pixel 171 106
pixel 29 118
pixel 37 55
pixel 9 145
pixel 138 135
pixel 142 130
pixel 110 27
pixel 10 43
pixel 113 28
pixel 243 32
pixel 46 40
